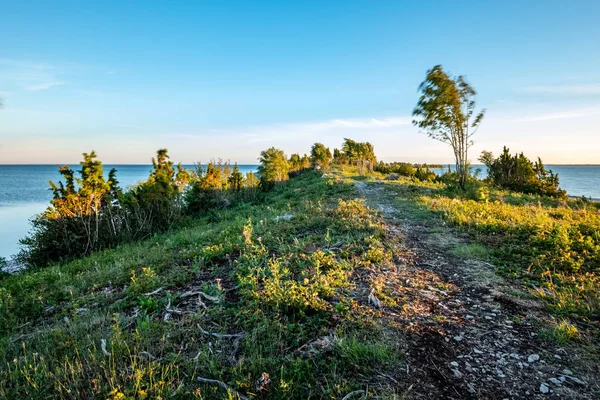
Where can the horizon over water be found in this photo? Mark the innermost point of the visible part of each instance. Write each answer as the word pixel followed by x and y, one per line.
pixel 24 190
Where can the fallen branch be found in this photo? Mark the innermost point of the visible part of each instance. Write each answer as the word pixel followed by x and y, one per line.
pixel 199 293
pixel 223 385
pixel 157 291
pixel 221 335
pixel 103 347
pixel 352 394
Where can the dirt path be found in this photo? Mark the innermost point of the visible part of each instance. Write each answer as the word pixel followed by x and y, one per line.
pixel 468 334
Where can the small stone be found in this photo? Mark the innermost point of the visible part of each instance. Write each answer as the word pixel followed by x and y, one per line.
pixel 557 357
pixel 454 364
pixel 500 373
pixel 477 351
pixel 544 389
pixel 470 388
pixel 567 371
pixel 515 356
pixel 562 378
pixel 533 358
pixel 458 338
pixel 555 381
pixel 457 373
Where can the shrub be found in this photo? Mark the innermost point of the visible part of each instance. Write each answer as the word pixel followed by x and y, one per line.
pixel 518 173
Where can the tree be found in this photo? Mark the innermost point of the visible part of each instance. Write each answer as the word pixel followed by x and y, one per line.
pixel 446 112
pixel 236 179
pixel 487 158
pixel 274 166
pixel 295 162
pixel 356 151
pixel 320 155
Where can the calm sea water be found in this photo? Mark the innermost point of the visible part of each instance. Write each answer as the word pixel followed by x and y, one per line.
pixel 24 192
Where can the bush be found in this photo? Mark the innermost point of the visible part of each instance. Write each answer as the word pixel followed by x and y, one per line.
pixel 518 173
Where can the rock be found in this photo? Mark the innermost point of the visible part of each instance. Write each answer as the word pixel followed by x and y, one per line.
pixel 515 356
pixel 567 371
pixel 533 358
pixel 458 338
pixel 557 357
pixel 393 177
pixel 477 351
pixel 544 389
pixel 556 381
pixel 457 373
pixel 454 364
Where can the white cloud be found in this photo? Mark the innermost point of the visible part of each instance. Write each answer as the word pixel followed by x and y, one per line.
pixel 571 114
pixel 29 76
pixel 578 89
pixel 44 86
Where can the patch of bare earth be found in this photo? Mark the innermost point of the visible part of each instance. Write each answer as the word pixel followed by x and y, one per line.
pixel 466 335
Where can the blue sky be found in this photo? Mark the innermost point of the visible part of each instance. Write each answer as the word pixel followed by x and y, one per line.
pixel 228 79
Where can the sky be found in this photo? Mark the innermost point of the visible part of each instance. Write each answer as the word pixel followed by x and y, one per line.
pixel 228 79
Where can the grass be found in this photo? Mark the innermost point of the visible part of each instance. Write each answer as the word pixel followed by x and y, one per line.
pixel 473 251
pixel 121 323
pixel 561 332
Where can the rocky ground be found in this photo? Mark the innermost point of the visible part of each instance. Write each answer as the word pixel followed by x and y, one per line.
pixel 467 333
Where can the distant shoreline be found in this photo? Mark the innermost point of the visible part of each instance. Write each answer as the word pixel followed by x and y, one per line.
pixel 592 199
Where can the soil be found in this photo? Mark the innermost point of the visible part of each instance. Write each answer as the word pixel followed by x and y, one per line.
pixel 467 332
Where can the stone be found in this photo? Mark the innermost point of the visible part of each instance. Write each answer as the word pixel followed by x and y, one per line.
pixel 454 364
pixel 393 177
pixel 457 373
pixel 533 358
pixel 544 389
pixel 556 381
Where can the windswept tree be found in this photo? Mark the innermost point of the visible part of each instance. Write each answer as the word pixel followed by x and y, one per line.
pixel 354 152
pixel 274 166
pixel 320 155
pixel 446 112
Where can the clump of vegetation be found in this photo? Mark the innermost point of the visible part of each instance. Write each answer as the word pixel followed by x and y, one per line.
pixel 518 173
pixel 320 156
pixel 561 332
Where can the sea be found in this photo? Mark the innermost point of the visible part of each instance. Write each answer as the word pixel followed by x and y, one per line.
pixel 24 191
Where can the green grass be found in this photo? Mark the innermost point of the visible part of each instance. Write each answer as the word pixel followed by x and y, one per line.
pixel 473 251
pixel 561 332
pixel 284 284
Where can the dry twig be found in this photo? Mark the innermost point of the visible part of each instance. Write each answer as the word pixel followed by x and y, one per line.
pixel 224 386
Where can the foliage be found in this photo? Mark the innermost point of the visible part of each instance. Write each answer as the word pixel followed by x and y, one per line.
pixel 273 168
pixel 357 151
pixel 79 218
pixel 400 168
pixel 518 173
pixel 446 112
pixel 320 156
